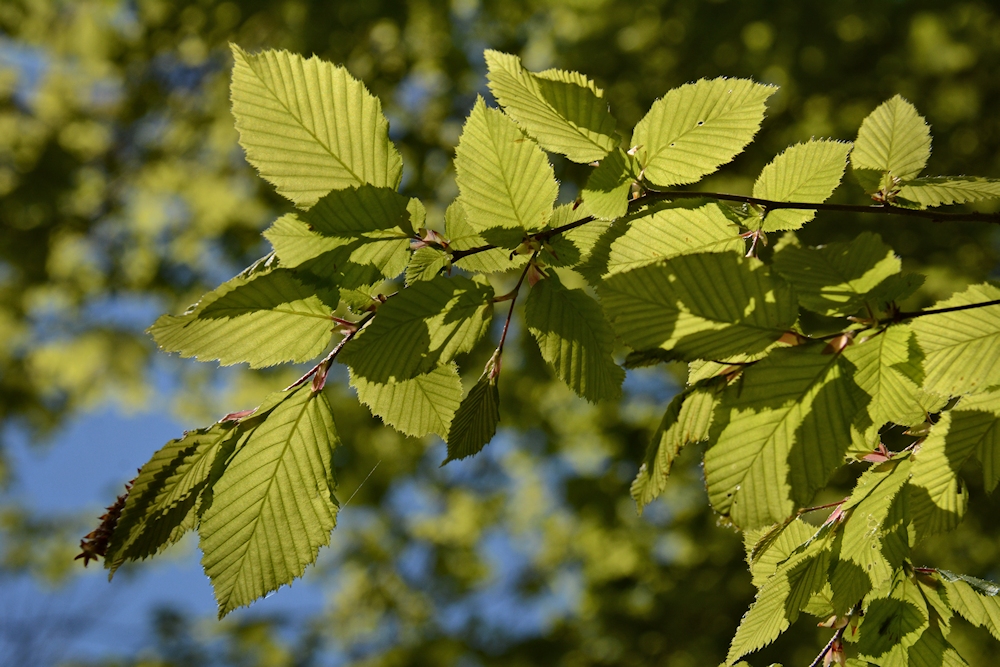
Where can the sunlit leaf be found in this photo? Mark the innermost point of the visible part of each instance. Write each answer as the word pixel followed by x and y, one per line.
pixel 607 191
pixel 974 599
pixel 942 190
pixel 894 138
pixel 310 127
pixel 693 130
pixel 938 496
pixel 425 264
pixel 563 111
pixel 808 172
pixel 463 236
pixel 476 420
pixel 418 406
pixel 274 507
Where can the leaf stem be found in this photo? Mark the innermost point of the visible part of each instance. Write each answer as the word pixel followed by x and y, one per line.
pixel 510 313
pixel 322 368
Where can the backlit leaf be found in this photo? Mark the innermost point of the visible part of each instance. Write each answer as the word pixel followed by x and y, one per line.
pixel 273 507
pixel 574 338
pixel 563 111
pixel 942 190
pixel 476 420
pixel 975 600
pixel 418 406
pixel 808 172
pixel 962 349
pixel 894 138
pixel 786 430
pixel 708 305
pixel 310 127
pixel 425 264
pixel 938 496
pixel 504 178
pixel 693 130
pixel 463 236
pixel 607 191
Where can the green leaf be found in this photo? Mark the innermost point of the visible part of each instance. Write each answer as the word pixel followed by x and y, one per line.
pixel 962 349
pixel 687 420
pixel 423 326
pixel 974 599
pixel 563 111
pixel 476 420
pixel 462 236
pixel 696 128
pixel 808 172
pixel 164 499
pixel 607 191
pixel 838 278
pixel 273 507
pixel 574 338
pixel 977 419
pixel 356 211
pixel 938 496
pixel 504 178
pixel 418 406
pixel 310 127
pixel 574 246
pixel 933 650
pixel 425 264
pixel 944 190
pixel 781 598
pixel 894 623
pixel 889 369
pixel 708 305
pixel 295 243
pixel 785 429
pixel 667 232
pixel 894 138
pixel 265 319
pixel 770 547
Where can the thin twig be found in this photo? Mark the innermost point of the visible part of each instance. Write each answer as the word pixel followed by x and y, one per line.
pixel 938 311
pixel 360 485
pixel 328 359
pixel 513 300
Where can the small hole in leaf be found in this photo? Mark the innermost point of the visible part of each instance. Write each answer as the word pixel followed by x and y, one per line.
pixel 701 122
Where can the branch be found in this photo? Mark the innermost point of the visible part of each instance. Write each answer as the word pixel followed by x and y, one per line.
pixel 513 300
pixel 879 209
pixel 320 370
pixel 937 311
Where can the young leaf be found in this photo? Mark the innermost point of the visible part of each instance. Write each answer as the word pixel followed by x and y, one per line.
pixel 942 190
pixel 462 236
pixel 663 233
pixel 425 264
pixel 707 306
pixel 606 193
pixel 575 339
pixel 889 369
pixel 785 431
pixel 894 138
pixel 696 128
pixel 808 172
pixel 273 507
pixel 423 326
pixel 504 178
pixel 310 127
pixel 164 498
pixel 781 598
pixel 769 547
pixel 687 420
pixel 418 406
pixel 838 278
pixel 476 420
pixel 962 349
pixel 563 111
pixel 975 600
pixel 938 496
pixel 265 319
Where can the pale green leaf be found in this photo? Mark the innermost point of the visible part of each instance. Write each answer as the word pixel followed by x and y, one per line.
pixel 780 599
pixel 418 406
pixel 696 128
pixel 423 326
pixel 974 600
pixel 962 349
pixel 838 278
pixel 667 232
pixel 687 420
pixel 606 194
pixel 425 264
pixel 463 236
pixel 885 363
pixel 892 624
pixel 295 243
pixel 574 338
pixel 309 127
pixel 165 496
pixel 476 420
pixel 574 246
pixel 977 418
pixel 563 111
pixel 894 138
pixel 504 178
pixel 933 650
pixel 938 496
pixel 266 319
pixel 808 172
pixel 785 431
pixel 767 548
pixel 943 190
pixel 357 211
pixel 708 305
pixel 273 507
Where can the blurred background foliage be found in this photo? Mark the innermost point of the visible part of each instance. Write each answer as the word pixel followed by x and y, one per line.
pixel 123 193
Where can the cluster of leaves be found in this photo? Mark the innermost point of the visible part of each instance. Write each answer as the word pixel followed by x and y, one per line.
pixel 797 364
